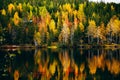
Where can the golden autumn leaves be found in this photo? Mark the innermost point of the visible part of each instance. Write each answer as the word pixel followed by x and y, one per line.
pixel 62 22
pixel 16 18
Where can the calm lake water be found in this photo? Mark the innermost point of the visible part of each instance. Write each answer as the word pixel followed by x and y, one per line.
pixel 60 64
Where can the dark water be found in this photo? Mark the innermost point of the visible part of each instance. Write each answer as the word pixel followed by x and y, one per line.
pixel 60 64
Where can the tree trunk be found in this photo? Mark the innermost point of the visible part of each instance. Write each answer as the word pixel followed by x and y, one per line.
pixel 91 40
pixel 88 39
pixel 119 39
pixel 98 40
pixel 116 39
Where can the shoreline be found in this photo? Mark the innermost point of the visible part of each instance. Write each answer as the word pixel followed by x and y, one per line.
pixel 82 46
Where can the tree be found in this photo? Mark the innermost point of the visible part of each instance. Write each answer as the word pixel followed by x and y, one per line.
pixel 16 19
pixel 64 35
pixel 3 12
pixel 11 7
pixel 91 31
pixel 37 39
pixel 113 29
pixel 80 13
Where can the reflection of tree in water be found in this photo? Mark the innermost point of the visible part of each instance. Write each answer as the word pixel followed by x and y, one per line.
pixel 65 64
pixel 41 62
pixel 106 60
pixel 71 70
pixel 70 64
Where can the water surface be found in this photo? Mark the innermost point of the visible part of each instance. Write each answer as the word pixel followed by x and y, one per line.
pixel 60 64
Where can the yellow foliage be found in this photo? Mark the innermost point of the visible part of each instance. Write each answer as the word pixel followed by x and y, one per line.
pixel 92 28
pixel 112 7
pixel 29 6
pixel 113 25
pixel 64 15
pixel 80 13
pixel 60 7
pixel 81 26
pixel 11 7
pixel 3 12
pixel 81 7
pixel 30 15
pixel 42 11
pixel 51 4
pixel 57 14
pixel 37 37
pixel 92 22
pixel 67 7
pixel 48 18
pixel 52 25
pixel 65 33
pixel 16 18
pixel 93 14
pixel 75 13
pixel 20 7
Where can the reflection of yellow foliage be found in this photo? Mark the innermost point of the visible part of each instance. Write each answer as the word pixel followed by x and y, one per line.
pixel 100 62
pixel 82 67
pixel 65 61
pixel 115 67
pixel 10 7
pixel 37 57
pixel 76 70
pixel 3 12
pixel 52 67
pixel 92 65
pixel 108 64
pixel 16 18
pixel 16 75
pixel 81 76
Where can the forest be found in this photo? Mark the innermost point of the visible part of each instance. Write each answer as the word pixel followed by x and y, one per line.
pixel 59 22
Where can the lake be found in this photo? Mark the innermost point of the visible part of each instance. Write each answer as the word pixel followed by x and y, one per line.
pixel 60 64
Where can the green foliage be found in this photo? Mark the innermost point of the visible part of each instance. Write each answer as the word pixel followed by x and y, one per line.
pixel 77 36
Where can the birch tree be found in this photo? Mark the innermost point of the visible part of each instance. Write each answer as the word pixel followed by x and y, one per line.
pixel 91 31
pixel 113 29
